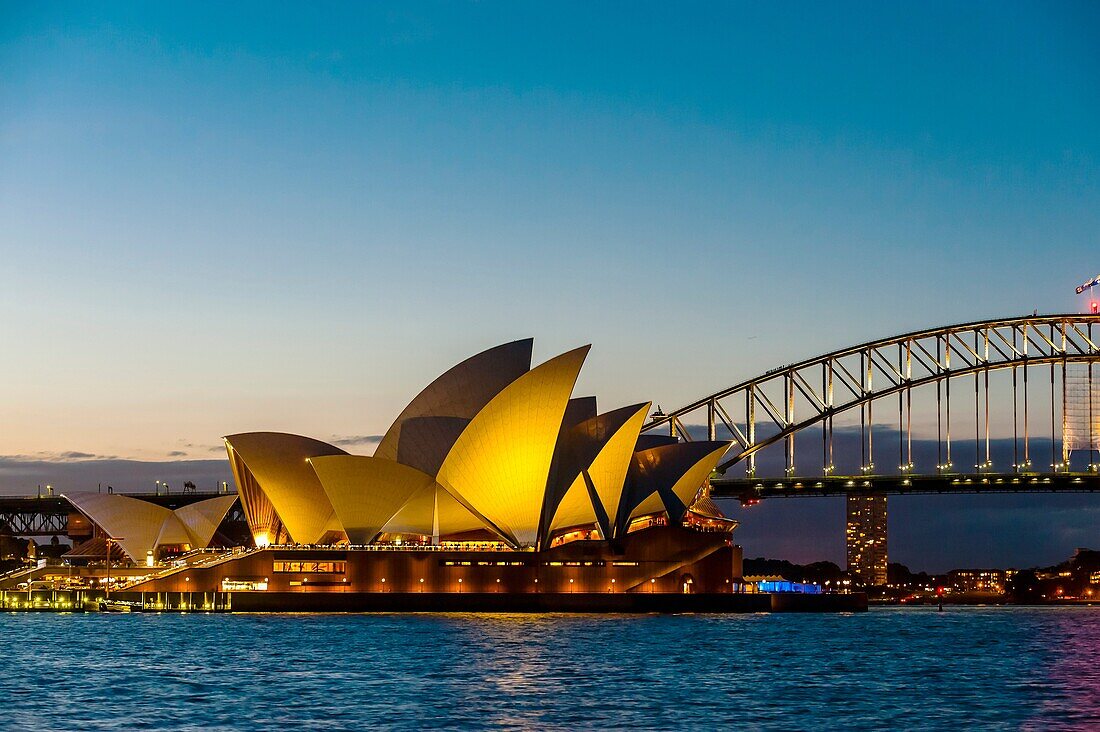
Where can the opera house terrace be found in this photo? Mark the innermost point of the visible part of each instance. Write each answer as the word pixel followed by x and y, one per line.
pixel 495 488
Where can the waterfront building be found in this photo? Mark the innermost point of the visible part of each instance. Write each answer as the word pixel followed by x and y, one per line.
pixel 865 533
pixel 978 580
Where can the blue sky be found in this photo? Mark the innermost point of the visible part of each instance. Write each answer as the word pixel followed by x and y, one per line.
pixel 272 216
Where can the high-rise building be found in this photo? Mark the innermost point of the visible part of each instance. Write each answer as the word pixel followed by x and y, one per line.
pixel 865 532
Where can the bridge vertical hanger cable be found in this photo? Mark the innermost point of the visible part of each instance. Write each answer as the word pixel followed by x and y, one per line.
pixel 870 419
pixel 909 403
pixel 939 413
pixel 977 424
pixel 1053 448
pixel 825 422
pixel 788 385
pixel 947 388
pixel 989 459
pixel 832 465
pixel 750 419
pixel 1015 400
pixel 1092 442
pixel 901 412
pixel 862 415
pixel 1065 446
pixel 1027 428
pixel 1015 436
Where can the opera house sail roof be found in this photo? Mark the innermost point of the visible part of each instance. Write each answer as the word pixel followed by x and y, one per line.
pixel 140 527
pixel 491 450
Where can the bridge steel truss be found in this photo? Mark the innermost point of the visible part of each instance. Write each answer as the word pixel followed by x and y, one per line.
pixel 35 516
pixel 774 407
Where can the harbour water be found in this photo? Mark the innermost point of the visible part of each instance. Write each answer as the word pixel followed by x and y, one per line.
pixel 913 668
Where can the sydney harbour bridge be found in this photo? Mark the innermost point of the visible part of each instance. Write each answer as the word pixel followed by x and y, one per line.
pixel 1009 405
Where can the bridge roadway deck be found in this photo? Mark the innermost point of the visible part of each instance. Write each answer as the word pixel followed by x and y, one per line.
pixel 754 489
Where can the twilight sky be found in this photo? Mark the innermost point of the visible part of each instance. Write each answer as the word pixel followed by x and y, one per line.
pixel 269 217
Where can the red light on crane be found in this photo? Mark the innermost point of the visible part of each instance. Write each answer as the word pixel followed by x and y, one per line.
pixel 1095 307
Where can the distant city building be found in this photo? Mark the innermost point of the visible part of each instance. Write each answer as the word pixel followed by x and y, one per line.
pixel 866 538
pixel 978 580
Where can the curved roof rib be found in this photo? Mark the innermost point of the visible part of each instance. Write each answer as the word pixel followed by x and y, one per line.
pixel 597 458
pixel 499 465
pixel 366 492
pixel 667 478
pixel 278 464
pixel 461 392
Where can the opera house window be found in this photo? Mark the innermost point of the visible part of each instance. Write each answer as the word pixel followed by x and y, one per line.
pixel 309 567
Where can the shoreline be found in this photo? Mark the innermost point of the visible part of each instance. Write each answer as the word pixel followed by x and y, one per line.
pixel 403 602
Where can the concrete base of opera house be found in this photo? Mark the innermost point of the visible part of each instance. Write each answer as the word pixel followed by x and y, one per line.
pixel 657 569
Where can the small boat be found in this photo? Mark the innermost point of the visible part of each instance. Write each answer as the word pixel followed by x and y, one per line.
pixel 115 606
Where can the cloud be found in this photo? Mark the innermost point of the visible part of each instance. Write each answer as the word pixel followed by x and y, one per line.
pixel 352 440
pixel 56 457
pixel 177 453
pixel 22 474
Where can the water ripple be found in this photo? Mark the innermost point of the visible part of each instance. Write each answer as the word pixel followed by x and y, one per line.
pixel 996 668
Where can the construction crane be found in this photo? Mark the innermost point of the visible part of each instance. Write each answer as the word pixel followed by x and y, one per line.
pixel 1094 306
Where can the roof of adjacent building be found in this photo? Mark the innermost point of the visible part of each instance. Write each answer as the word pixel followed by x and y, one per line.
pixel 140 527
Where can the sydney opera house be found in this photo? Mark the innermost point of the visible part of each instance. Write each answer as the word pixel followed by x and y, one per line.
pixel 495 487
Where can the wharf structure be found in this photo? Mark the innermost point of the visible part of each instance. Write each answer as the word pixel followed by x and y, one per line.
pixel 494 489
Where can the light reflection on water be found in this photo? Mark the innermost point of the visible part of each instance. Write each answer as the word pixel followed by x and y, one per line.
pixel 889 668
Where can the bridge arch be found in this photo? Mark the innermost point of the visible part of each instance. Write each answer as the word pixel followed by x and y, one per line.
pixel 812 392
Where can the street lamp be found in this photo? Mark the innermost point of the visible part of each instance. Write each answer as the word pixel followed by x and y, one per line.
pixel 111 540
